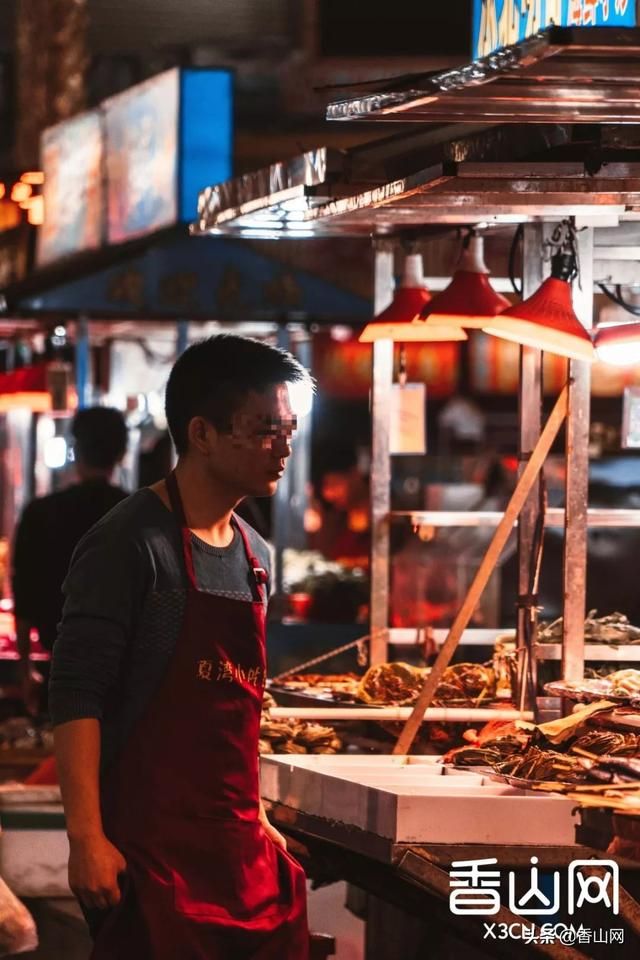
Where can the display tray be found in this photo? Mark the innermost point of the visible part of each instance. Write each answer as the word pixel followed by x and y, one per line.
pixel 589 692
pixel 523 783
pixel 20 794
pixel 415 800
pixel 622 719
pixel 308 698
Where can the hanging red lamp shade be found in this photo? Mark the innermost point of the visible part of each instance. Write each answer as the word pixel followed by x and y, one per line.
pixel 401 319
pixel 546 319
pixel 619 344
pixel 469 299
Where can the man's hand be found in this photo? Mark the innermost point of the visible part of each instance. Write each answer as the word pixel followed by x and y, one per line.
pixel 274 835
pixel 94 867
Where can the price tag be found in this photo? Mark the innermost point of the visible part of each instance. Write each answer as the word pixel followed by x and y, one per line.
pixel 408 429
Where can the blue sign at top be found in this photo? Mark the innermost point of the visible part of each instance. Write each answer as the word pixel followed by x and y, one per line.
pixel 499 23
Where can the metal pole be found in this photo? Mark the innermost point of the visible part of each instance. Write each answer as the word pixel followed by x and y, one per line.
pixel 83 380
pixel 382 380
pixel 529 418
pixel 182 337
pixel 577 478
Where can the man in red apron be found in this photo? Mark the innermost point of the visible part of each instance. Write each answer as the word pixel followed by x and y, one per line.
pixel 157 714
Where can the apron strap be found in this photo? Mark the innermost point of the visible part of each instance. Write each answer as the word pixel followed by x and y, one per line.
pixel 177 506
pixel 259 572
pixel 178 511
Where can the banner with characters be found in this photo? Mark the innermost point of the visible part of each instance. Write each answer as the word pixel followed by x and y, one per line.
pixel 499 23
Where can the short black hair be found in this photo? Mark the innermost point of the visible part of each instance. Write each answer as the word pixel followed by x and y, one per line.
pixel 212 378
pixel 100 435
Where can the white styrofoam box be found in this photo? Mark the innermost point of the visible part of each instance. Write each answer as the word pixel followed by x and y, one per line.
pixel 34 862
pixel 21 794
pixel 411 800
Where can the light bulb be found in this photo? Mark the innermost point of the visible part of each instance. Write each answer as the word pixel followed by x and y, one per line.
pixel 55 453
pixel 301 397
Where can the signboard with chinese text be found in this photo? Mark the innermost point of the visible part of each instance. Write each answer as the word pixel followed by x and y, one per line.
pixel 71 156
pixel 209 278
pixel 499 23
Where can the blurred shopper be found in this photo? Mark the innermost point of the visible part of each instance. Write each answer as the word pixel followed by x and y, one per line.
pixel 158 679
pixel 338 519
pixel 49 531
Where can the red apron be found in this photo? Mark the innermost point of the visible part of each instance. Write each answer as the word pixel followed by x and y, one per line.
pixel 203 882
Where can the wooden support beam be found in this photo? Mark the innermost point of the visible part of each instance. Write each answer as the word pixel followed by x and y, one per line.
pixel 486 568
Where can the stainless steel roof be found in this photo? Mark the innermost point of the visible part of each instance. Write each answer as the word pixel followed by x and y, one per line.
pixel 563 75
pixel 296 197
pixel 485 192
pixel 453 175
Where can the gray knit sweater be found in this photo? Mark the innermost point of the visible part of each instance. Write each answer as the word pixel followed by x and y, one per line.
pixel 124 604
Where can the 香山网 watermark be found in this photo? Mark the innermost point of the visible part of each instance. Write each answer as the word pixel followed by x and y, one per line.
pixel 476 888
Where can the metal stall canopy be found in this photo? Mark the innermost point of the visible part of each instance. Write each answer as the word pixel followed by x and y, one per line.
pixel 562 75
pixel 421 182
pixel 456 174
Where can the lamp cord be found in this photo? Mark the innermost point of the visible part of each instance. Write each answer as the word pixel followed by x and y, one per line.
pixel 618 299
pixel 517 237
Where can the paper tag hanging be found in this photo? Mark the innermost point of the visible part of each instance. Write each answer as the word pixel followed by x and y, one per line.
pixel 407 433
pixel 631 419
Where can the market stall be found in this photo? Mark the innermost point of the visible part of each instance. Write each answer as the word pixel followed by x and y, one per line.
pixel 397 825
pixel 350 814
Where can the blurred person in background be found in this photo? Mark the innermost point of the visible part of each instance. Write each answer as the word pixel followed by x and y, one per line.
pixel 337 522
pixel 49 530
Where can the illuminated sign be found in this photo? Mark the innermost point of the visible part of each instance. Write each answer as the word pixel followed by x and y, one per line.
pixel 166 140
pixel 499 23
pixel 71 155
pixel 142 158
pixel 134 165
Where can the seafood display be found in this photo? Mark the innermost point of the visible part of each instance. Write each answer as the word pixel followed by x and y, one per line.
pixel 625 683
pixel 399 684
pixel 607 743
pixel 467 682
pixel 612 782
pixel 391 683
pixel 504 666
pixel 488 754
pixel 542 765
pixel 613 770
pixel 619 686
pixel 336 686
pixel 21 733
pixel 614 629
pixel 294 736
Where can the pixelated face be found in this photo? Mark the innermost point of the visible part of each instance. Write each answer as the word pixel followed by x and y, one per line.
pixel 252 456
